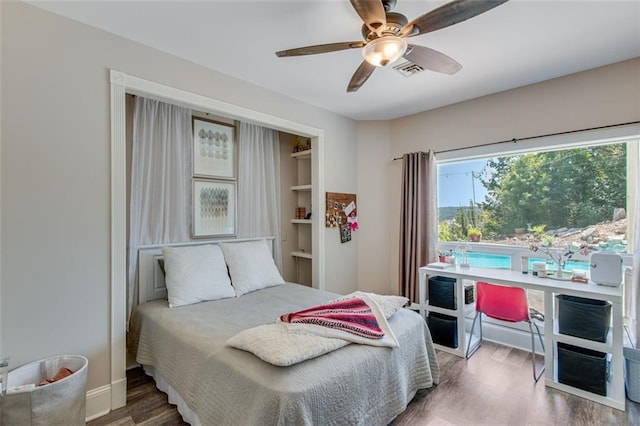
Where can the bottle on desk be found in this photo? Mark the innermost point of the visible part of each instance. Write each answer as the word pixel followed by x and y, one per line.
pixel 525 264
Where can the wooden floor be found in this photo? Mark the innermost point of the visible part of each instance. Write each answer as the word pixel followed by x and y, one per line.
pixel 494 387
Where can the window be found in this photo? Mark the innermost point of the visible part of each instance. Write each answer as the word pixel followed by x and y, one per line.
pixel 573 199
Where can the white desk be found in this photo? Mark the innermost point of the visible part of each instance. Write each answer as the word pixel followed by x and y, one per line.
pixel 615 391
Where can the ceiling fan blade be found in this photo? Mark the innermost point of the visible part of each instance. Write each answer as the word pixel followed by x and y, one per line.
pixel 371 12
pixel 431 59
pixel 360 77
pixel 448 14
pixel 321 48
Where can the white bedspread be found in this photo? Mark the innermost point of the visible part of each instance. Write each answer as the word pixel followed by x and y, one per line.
pixel 357 384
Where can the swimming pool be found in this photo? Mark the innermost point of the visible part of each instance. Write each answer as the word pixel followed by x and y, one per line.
pixel 486 260
pixel 501 261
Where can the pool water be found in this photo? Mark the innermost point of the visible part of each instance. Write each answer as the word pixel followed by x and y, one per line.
pixel 501 261
pixel 485 260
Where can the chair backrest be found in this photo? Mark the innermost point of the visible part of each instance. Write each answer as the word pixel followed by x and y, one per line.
pixel 502 302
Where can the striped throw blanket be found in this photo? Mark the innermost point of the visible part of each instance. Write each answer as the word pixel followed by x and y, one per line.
pixel 351 315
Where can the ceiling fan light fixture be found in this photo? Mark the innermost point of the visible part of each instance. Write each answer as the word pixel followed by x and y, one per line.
pixel 384 50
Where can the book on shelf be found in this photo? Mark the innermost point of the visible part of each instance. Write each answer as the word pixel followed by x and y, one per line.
pixel 439 265
pixel 301 212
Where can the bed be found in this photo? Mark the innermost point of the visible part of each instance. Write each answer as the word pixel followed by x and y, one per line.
pixel 212 383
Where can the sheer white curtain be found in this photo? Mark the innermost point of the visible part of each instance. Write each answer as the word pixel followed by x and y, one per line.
pixel 160 204
pixel 259 185
pixel 632 289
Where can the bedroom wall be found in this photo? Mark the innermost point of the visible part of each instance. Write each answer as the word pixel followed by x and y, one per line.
pixel 55 265
pixel 597 97
pixel 374 139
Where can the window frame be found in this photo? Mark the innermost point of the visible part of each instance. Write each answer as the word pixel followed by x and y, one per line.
pixel 602 136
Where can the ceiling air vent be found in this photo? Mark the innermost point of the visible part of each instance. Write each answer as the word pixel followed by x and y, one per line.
pixel 408 68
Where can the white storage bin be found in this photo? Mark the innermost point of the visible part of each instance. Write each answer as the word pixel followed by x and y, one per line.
pixel 60 403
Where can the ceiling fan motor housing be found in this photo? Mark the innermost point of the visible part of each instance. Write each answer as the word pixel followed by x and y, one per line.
pixel 395 23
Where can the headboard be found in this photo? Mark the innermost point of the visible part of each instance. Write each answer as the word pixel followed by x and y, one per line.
pixel 151 278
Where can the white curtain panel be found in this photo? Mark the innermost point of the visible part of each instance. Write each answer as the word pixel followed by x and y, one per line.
pixel 160 204
pixel 632 289
pixel 259 185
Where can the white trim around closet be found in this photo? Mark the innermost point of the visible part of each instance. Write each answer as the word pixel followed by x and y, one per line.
pixel 121 84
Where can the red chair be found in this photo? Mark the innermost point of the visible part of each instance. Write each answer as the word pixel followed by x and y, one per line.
pixel 505 304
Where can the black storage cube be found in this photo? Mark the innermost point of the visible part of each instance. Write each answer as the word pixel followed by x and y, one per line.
pixel 442 292
pixel 582 368
pixel 584 318
pixel 444 329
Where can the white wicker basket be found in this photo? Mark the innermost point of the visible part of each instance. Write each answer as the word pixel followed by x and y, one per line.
pixel 59 403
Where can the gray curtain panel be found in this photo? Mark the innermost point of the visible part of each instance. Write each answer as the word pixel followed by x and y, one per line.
pixel 418 219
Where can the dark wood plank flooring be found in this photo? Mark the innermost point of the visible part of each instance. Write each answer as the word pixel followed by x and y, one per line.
pixel 494 387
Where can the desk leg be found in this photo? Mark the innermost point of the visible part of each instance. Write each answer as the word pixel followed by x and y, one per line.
pixel 422 294
pixel 549 321
pixel 617 359
pixel 462 336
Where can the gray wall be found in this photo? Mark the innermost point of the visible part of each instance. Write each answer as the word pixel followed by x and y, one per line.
pixel 374 207
pixel 55 176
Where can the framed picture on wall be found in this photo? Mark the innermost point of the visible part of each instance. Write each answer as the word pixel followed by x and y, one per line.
pixel 214 208
pixel 345 233
pixel 214 149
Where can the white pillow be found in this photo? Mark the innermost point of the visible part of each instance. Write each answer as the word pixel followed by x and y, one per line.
pixel 195 274
pixel 251 266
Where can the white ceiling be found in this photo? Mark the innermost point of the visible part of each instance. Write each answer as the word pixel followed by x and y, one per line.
pixel 518 43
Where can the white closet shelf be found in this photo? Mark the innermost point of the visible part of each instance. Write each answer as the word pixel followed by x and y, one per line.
pixel 301 188
pixel 302 155
pixel 304 221
pixel 303 254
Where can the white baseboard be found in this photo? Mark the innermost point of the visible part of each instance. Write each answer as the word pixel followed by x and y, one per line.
pixel 119 393
pixel 102 400
pixel 98 402
pixel 131 361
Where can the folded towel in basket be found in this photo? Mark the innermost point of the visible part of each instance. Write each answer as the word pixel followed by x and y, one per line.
pixel 61 374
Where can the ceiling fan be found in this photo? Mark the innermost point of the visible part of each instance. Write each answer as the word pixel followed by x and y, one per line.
pixel 385 34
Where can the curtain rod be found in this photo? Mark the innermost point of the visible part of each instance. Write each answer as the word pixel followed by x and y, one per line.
pixel 514 140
